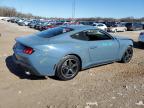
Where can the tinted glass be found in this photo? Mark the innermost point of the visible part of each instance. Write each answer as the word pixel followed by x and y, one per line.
pixel 54 32
pixel 80 36
pixel 95 35
pixel 100 25
pixel 91 35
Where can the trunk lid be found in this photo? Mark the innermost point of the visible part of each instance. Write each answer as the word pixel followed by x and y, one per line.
pixel 32 40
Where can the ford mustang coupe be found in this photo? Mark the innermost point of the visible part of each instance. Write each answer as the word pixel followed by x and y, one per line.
pixel 65 50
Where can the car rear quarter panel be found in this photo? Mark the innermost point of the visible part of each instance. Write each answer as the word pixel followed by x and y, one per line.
pixel 47 57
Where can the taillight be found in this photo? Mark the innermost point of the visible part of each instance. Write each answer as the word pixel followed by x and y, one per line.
pixel 28 50
pixel 142 33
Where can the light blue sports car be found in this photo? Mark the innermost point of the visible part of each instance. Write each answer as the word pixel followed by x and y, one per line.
pixel 65 50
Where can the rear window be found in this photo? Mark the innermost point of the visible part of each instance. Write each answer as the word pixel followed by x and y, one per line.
pixel 54 32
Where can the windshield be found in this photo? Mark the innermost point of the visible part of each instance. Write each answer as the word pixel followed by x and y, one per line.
pixel 54 32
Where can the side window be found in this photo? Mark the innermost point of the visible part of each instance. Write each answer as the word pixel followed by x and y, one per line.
pixel 123 25
pixel 135 24
pixel 80 36
pixel 119 25
pixel 96 35
pixel 100 25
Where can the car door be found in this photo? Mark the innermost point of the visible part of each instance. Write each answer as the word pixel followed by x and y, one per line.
pixel 102 47
pixel 119 27
pixel 100 26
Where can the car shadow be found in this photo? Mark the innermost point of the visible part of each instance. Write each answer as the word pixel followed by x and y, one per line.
pixel 138 45
pixel 19 71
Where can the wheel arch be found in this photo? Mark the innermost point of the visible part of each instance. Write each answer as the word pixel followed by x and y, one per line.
pixel 78 58
pixel 57 73
pixel 124 49
pixel 129 46
pixel 55 66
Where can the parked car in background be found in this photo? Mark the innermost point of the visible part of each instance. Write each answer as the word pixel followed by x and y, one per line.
pixel 18 21
pixel 60 23
pixel 65 50
pixel 5 18
pixel 110 24
pixel 100 26
pixel 24 23
pixel 141 38
pixel 134 26
pixel 143 25
pixel 66 22
pixel 43 25
pixel 32 24
pixel 47 26
pixel 9 20
pixel 38 25
pixel 13 20
pixel 86 23
pixel 117 27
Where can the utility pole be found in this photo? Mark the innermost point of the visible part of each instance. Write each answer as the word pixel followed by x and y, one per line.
pixel 73 10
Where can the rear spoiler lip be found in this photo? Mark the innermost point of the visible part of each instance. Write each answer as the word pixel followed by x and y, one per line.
pixel 18 40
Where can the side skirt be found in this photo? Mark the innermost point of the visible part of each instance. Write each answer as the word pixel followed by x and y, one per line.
pixel 96 65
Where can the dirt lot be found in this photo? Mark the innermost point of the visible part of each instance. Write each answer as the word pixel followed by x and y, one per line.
pixel 114 85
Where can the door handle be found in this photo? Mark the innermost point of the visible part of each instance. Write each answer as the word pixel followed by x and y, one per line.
pixel 93 47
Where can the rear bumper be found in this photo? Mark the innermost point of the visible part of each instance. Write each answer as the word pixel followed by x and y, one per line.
pixel 26 66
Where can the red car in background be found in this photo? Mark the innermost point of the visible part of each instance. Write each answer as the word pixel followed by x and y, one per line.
pixel 47 26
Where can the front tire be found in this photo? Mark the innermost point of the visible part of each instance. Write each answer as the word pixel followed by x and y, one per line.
pixel 68 68
pixel 115 31
pixel 124 30
pixel 127 55
pixel 141 44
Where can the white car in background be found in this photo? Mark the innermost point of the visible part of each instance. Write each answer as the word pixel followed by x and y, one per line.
pixel 100 26
pixel 4 18
pixel 117 28
pixel 141 38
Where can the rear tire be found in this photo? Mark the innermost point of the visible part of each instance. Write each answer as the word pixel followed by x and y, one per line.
pixel 127 56
pixel 68 68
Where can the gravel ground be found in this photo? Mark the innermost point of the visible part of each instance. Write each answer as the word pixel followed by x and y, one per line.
pixel 114 85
